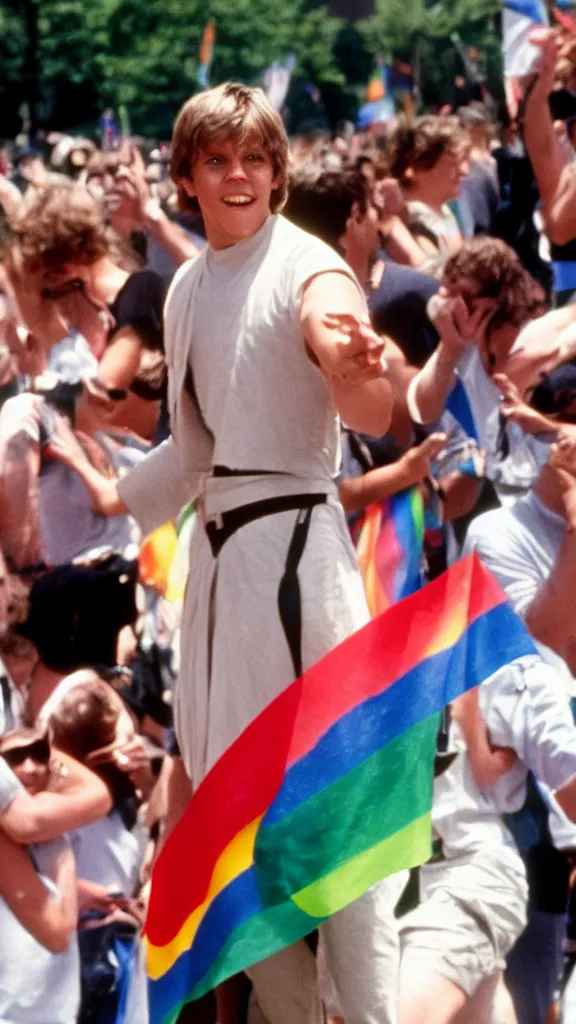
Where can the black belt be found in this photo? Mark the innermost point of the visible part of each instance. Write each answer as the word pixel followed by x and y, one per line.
pixel 220 531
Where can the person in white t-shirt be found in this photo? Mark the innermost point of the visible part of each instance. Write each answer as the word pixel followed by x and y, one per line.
pixel 39 965
pixel 474 890
pixel 531 550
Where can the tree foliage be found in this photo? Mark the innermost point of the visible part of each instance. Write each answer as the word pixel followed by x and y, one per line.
pixel 71 58
pixel 421 31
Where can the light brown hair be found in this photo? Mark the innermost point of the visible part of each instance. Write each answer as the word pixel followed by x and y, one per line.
pixel 55 225
pixel 85 719
pixel 418 145
pixel 228 112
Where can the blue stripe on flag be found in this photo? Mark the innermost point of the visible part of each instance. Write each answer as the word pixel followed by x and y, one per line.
pixel 533 9
pixel 459 405
pixel 493 640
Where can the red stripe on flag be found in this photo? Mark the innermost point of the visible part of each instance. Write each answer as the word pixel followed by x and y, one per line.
pixel 239 788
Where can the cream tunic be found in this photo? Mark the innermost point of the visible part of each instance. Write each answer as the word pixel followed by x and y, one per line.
pixel 234 341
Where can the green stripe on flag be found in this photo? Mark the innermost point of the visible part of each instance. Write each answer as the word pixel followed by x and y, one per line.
pixel 405 849
pixel 349 817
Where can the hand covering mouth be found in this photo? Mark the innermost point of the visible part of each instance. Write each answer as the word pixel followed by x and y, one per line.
pixel 237 200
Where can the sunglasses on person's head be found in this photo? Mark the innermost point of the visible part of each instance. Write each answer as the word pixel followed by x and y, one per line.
pixel 38 750
pixel 114 394
pixel 74 286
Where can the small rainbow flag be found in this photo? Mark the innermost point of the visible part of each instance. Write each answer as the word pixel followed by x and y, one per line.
pixel 389 549
pixel 326 792
pixel 206 54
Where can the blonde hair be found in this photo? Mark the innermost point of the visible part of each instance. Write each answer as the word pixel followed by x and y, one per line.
pixel 229 112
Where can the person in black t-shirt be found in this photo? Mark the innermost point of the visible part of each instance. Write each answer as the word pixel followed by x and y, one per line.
pixel 398 309
pixel 60 254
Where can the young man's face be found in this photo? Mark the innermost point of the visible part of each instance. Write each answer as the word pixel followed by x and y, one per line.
pixel 361 235
pixel 232 184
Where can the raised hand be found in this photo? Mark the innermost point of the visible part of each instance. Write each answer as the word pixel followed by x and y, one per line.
pixel 516 410
pixel 389 199
pixel 417 460
pixel 562 460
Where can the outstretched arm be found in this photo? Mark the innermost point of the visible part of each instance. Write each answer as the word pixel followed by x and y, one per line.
pixel 356 493
pixel 339 339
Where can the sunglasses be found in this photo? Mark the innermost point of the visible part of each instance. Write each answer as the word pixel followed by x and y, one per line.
pixel 38 751
pixel 114 394
pixel 74 286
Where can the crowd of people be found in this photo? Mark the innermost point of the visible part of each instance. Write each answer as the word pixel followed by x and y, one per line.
pixel 213 368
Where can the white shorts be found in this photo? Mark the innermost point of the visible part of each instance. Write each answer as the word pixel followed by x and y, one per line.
pixel 471 915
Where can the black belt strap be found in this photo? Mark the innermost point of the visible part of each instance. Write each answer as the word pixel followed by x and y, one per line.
pixel 289 598
pixel 229 522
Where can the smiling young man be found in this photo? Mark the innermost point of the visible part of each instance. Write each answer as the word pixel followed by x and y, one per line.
pixel 267 341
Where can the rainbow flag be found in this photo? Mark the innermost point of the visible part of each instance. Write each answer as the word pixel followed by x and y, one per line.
pixel 206 54
pixel 389 549
pixel 326 792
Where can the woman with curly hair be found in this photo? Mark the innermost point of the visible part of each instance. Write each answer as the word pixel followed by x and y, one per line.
pixel 67 274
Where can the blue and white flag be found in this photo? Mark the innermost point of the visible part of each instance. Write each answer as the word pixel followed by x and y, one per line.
pixel 519 18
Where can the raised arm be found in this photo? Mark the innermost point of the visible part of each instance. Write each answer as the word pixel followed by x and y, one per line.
pixel 458 329
pixel 429 390
pixel 170 236
pixel 82 798
pixel 554 170
pixel 340 340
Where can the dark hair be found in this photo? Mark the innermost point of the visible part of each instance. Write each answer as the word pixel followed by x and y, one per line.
pixel 63 398
pixel 323 205
pixel 556 391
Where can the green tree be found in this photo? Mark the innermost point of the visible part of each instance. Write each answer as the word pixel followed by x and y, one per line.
pixel 420 32
pixel 152 58
pixel 13 39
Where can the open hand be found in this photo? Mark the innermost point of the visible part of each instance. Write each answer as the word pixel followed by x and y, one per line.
pixel 516 410
pixel 358 357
